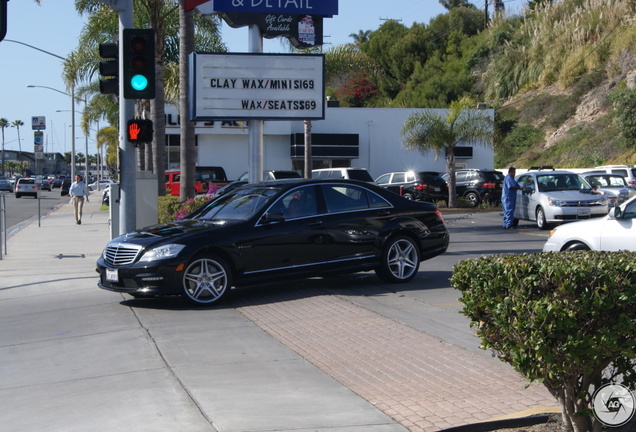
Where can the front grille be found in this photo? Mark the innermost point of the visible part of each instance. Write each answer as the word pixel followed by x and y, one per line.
pixel 581 204
pixel 121 254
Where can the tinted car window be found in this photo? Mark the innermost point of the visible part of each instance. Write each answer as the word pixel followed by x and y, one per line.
pixel 346 197
pixel 399 178
pixel 493 175
pixel 362 175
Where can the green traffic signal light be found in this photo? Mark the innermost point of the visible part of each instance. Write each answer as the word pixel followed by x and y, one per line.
pixel 139 82
pixel 138 52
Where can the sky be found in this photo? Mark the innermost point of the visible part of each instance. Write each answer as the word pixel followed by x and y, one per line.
pixel 54 26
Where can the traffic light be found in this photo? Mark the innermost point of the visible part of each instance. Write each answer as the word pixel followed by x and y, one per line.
pixel 109 68
pixel 139 63
pixel 3 18
pixel 139 131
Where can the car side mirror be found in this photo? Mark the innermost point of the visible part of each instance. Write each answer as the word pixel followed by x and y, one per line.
pixel 616 213
pixel 273 217
pixel 527 190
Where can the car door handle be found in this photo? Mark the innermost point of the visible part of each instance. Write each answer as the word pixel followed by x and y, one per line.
pixel 316 224
pixel 384 213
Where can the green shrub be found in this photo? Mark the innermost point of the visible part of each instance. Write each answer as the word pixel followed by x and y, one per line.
pixel 567 320
pixel 170 208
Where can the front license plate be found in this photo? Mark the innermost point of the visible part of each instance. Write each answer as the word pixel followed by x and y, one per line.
pixel 112 275
pixel 583 212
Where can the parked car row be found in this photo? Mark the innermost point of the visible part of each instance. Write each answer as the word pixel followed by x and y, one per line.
pixel 473 185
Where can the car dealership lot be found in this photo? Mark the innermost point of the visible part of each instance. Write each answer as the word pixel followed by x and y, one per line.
pixel 275 357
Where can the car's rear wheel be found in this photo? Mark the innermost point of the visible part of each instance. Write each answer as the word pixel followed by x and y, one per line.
pixel 577 246
pixel 408 196
pixel 400 260
pixel 206 280
pixel 542 224
pixel 473 198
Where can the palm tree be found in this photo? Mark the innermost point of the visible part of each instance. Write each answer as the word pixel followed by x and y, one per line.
pixel 361 37
pixel 109 137
pixel 16 124
pixel 430 130
pixel 4 123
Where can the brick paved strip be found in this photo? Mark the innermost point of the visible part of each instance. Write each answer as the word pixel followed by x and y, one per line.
pixel 421 382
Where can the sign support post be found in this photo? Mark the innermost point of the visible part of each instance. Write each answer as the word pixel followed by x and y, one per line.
pixel 255 129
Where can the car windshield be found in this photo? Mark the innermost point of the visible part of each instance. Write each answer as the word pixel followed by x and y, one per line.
pixel 561 182
pixel 237 205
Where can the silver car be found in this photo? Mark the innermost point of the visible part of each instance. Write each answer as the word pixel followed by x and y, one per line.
pixel 553 197
pixel 614 232
pixel 613 186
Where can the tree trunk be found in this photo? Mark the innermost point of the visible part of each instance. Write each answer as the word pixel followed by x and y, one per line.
pixel 450 168
pixel 308 161
pixel 188 149
pixel 157 107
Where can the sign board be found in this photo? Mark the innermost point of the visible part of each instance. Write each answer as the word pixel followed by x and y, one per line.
pixel 38 123
pixel 303 31
pixel 305 7
pixel 257 86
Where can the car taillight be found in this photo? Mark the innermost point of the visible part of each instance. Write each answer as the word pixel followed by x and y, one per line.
pixel 421 186
pixel 439 215
pixel 489 185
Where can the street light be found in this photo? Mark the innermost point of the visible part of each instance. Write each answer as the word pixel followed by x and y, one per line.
pixel 85 144
pixel 73 98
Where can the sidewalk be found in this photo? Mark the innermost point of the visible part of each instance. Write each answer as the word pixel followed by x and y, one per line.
pixel 77 358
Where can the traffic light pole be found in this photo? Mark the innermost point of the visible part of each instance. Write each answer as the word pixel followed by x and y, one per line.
pixel 127 152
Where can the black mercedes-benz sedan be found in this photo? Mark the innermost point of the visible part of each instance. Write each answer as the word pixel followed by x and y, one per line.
pixel 263 232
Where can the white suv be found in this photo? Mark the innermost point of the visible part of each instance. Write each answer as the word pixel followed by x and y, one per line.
pixel 343 173
pixel 25 186
pixel 552 197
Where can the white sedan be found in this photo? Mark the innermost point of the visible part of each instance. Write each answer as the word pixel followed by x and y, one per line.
pixel 616 231
pixel 102 185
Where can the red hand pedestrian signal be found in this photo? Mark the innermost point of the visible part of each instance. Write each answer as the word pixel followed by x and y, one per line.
pixel 133 131
pixel 139 131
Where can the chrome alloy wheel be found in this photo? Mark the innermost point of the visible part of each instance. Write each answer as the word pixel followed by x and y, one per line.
pixel 206 280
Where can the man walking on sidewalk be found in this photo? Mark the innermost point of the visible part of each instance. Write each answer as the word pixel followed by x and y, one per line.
pixel 78 192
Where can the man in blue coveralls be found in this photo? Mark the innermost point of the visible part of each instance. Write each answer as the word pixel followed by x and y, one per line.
pixel 509 199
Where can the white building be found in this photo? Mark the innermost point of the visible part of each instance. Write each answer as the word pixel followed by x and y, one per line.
pixel 358 137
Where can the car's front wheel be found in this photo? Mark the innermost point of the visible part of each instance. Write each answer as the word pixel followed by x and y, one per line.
pixel 542 224
pixel 206 280
pixel 577 246
pixel 400 260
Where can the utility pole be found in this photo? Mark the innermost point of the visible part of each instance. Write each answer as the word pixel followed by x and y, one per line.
pixel 486 14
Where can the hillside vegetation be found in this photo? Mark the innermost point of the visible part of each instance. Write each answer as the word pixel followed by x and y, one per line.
pixel 560 77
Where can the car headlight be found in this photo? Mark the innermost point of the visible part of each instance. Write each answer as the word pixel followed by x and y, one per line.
pixel 162 252
pixel 555 202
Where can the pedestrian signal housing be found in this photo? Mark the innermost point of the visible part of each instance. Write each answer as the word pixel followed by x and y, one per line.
pixel 139 131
